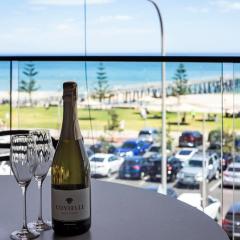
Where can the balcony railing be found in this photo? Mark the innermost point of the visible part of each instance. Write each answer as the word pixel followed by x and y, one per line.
pixel 121 95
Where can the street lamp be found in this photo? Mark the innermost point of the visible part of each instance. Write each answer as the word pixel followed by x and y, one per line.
pixel 164 155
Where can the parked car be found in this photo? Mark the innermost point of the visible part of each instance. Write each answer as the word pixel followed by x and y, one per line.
pixel 133 168
pixel 237 158
pixel 192 173
pixel 154 149
pixel 154 166
pixel 190 139
pixel 149 134
pixel 185 154
pixel 104 164
pixel 102 147
pixel 231 221
pixel 133 147
pixel 226 158
pixel 89 152
pixel 232 175
pixel 213 208
pixel 170 191
pixel 237 143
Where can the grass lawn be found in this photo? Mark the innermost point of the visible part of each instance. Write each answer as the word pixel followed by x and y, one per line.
pixel 38 117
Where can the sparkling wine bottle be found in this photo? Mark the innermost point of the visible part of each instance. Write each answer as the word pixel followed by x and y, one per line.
pixel 71 187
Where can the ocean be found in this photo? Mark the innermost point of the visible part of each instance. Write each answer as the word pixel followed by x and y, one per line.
pixel 51 75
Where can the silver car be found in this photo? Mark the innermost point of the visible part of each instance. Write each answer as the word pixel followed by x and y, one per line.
pixel 153 150
pixel 232 175
pixel 149 134
pixel 192 173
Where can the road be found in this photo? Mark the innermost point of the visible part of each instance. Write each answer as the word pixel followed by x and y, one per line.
pixel 214 187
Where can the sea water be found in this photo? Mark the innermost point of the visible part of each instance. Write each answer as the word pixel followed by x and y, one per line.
pixel 51 75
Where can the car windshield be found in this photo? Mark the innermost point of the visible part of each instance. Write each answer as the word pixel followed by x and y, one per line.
pixel 229 215
pixel 187 134
pixel 195 163
pixel 144 133
pixel 132 162
pixel 214 147
pixel 97 159
pixel 129 145
pixel 237 159
pixel 171 159
pixel 232 169
pixel 155 149
pixel 185 152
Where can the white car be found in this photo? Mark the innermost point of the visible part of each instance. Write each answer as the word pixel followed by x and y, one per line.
pixel 104 164
pixel 232 175
pixel 185 154
pixel 212 209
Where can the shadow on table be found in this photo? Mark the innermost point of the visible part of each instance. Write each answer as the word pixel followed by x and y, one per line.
pixel 52 236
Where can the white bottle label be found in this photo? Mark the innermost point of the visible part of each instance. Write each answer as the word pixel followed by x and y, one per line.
pixel 70 205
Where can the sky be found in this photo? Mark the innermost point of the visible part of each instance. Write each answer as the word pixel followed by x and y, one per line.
pixel 119 27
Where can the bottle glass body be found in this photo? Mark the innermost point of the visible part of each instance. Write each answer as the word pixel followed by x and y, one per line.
pixel 71 187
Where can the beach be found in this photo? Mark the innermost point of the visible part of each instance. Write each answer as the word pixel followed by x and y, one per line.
pixel 208 103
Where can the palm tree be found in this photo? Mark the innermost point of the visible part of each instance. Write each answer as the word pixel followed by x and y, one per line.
pixel 30 85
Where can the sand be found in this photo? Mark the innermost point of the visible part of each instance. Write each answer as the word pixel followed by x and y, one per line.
pixel 209 103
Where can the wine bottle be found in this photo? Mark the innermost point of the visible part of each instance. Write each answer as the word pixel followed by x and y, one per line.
pixel 71 187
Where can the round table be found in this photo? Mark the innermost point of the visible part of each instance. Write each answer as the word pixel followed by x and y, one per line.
pixel 118 213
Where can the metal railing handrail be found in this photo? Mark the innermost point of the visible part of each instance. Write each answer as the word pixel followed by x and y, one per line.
pixel 118 58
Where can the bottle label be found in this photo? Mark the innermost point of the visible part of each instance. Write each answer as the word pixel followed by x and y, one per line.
pixel 71 205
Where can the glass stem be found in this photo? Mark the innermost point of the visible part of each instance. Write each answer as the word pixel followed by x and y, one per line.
pixel 24 190
pixel 40 200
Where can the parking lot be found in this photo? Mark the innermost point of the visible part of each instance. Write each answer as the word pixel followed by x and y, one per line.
pixel 214 189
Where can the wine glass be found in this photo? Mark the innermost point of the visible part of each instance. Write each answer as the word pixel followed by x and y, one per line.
pixel 44 157
pixel 23 165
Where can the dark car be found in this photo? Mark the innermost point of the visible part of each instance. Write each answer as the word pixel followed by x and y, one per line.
pixel 237 158
pixel 133 147
pixel 190 139
pixel 89 152
pixel 154 167
pixel 231 222
pixel 132 168
pixel 227 157
pixel 102 147
pixel 237 143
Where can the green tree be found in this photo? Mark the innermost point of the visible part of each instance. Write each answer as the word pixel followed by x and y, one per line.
pixel 217 136
pixel 102 90
pixel 114 120
pixel 29 85
pixel 181 81
pixel 180 86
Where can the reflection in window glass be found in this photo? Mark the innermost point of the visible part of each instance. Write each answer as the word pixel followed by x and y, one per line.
pixel 4 114
pixel 4 95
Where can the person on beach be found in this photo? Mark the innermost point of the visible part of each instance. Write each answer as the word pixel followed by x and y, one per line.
pixel 193 115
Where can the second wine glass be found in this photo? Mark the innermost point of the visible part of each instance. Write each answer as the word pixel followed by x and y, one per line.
pixel 44 156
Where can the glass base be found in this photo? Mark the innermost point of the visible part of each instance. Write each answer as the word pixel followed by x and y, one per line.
pixel 40 226
pixel 24 234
